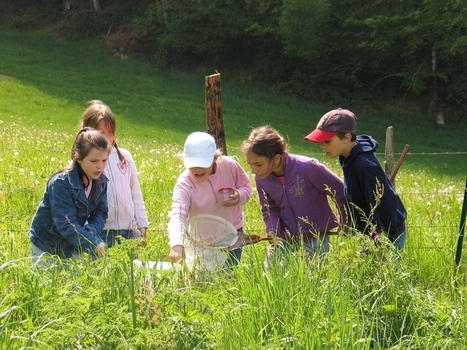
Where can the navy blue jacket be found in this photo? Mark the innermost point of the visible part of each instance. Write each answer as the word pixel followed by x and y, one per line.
pixel 67 221
pixel 363 177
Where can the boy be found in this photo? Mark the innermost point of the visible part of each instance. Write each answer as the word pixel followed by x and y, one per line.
pixel 374 205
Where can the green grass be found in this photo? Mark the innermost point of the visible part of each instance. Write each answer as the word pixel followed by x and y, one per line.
pixel 352 302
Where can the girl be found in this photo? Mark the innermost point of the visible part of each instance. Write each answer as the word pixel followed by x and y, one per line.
pixel 127 213
pixel 73 208
pixel 293 192
pixel 197 191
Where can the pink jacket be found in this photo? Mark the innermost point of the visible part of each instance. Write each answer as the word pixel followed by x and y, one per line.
pixel 192 198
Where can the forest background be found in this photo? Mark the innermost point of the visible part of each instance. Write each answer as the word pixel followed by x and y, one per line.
pixel 410 54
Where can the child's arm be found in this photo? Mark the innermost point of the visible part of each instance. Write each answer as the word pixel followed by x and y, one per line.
pixel 98 216
pixel 242 183
pixel 270 211
pixel 137 197
pixel 241 186
pixel 64 215
pixel 178 214
pixel 327 182
pixel 382 197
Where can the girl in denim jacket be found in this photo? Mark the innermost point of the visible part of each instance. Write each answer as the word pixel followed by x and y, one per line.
pixel 73 209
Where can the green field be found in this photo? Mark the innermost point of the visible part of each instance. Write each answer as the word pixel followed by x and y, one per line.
pixel 352 302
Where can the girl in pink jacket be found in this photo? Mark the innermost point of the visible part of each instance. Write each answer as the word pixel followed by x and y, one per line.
pixel 197 191
pixel 127 216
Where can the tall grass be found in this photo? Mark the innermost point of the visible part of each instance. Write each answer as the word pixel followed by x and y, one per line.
pixel 353 301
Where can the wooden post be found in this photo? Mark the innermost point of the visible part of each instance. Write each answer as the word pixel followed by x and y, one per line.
pixel 215 123
pixel 389 153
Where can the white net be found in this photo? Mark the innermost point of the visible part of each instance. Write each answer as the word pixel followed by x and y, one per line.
pixel 207 237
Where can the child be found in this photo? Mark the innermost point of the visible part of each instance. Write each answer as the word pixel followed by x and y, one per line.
pixel 293 192
pixel 127 213
pixel 197 191
pixel 374 204
pixel 73 209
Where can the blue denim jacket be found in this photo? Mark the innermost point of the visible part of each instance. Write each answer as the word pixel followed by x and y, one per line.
pixel 66 221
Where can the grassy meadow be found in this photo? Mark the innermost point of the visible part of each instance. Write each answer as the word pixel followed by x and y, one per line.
pixel 352 301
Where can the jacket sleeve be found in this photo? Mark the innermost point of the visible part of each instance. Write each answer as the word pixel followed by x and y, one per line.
pixel 64 216
pixel 382 197
pixel 179 212
pixel 331 185
pixel 269 210
pixel 99 214
pixel 136 194
pixel 242 183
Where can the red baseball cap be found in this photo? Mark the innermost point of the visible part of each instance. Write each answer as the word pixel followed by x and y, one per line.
pixel 333 122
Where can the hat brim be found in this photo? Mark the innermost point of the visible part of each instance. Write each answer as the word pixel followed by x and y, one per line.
pixel 319 135
pixel 198 162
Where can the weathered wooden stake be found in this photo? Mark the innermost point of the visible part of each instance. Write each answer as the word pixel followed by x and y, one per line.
pixel 389 153
pixel 215 123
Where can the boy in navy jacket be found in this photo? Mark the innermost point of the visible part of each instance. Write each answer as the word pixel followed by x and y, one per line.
pixel 373 203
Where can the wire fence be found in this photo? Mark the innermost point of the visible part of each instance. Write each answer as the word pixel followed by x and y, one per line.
pixel 438 217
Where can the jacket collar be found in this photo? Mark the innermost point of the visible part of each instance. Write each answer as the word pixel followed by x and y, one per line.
pixel 75 181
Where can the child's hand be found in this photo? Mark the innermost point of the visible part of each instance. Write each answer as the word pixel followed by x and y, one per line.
pixel 176 253
pixel 273 238
pixel 143 231
pixel 100 250
pixel 233 201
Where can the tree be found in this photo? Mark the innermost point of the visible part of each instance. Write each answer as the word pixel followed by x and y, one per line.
pixel 301 26
pixel 420 40
pixel 95 5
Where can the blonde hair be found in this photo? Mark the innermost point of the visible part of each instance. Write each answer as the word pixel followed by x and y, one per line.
pixel 96 112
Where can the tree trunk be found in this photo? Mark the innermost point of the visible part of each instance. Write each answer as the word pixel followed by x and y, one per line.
pixel 434 88
pixel 95 5
pixel 66 7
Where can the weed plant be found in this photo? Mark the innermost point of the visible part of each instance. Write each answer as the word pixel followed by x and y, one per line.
pixel 352 301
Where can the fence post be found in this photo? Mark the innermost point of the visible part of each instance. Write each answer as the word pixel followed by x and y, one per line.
pixel 461 230
pixel 213 101
pixel 389 151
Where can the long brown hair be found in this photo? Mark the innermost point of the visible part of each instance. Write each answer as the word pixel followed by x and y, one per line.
pixel 265 141
pixel 86 140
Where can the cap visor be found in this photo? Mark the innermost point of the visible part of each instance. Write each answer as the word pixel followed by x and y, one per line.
pixel 198 162
pixel 319 135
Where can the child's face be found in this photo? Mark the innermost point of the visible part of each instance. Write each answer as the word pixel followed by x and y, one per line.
pixel 262 166
pixel 104 127
pixel 200 174
pixel 94 163
pixel 335 146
